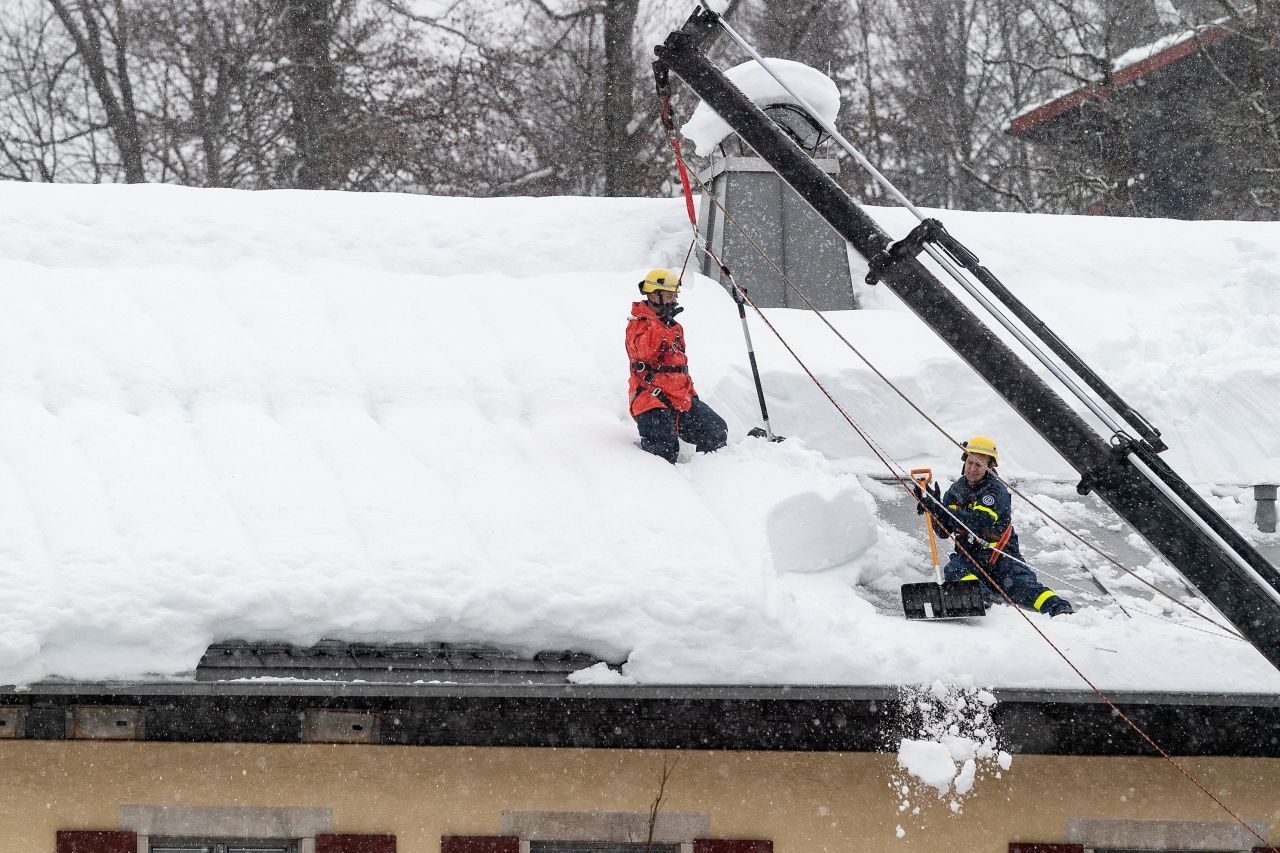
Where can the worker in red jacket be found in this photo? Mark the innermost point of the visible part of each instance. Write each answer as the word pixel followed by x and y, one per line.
pixel 663 401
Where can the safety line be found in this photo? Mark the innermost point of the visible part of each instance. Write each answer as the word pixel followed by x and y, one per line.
pixel 885 461
pixel 822 317
pixel 890 466
pixel 976 563
pixel 1121 714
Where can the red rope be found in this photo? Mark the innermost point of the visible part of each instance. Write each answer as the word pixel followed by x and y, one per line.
pixel 680 167
pixel 684 182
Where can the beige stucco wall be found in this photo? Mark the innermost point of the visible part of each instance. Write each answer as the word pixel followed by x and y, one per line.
pixel 806 803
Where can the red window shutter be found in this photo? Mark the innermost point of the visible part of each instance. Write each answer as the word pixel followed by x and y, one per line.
pixel 478 844
pixel 355 844
pixel 96 841
pixel 720 845
pixel 1027 847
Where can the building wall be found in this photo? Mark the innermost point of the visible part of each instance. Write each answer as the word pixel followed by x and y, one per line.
pixel 804 803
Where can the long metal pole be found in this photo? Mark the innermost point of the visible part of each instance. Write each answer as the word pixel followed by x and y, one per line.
pixel 751 356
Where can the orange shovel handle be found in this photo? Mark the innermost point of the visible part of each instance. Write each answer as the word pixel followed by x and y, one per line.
pixel 923 477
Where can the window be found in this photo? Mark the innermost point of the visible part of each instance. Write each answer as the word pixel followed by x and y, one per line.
pixel 600 847
pixel 229 845
pixel 1098 835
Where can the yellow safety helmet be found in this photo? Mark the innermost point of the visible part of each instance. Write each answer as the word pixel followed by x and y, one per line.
pixel 660 279
pixel 982 445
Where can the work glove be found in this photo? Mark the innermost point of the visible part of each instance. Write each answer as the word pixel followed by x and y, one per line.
pixel 1057 606
pixel 929 500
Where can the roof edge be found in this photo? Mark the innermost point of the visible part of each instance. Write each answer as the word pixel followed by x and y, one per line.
pixel 740 718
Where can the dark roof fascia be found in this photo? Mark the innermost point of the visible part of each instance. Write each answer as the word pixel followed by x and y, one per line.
pixel 792 718
pixel 1029 121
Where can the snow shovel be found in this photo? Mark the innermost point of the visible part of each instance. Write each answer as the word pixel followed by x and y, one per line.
pixel 939 599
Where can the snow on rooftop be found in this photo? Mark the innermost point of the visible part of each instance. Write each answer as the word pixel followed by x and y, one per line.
pixel 1129 58
pixel 1137 54
pixel 289 416
pixel 707 130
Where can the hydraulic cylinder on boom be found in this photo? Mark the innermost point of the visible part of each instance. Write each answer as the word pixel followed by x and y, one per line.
pixel 1126 472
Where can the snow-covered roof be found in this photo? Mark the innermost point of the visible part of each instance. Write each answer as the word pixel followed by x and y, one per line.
pixel 289 416
pixel 1130 66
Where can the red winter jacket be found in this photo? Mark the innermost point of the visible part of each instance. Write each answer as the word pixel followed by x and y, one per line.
pixel 659 367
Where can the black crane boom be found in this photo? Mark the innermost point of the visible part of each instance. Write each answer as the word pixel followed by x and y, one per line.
pixel 1220 564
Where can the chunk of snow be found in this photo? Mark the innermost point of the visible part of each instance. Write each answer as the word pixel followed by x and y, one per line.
pixel 928 761
pixel 964 780
pixel 599 673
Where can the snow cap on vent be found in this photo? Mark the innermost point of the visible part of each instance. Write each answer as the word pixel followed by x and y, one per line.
pixel 707 130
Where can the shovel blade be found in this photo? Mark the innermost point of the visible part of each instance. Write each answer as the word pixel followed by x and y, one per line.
pixel 950 600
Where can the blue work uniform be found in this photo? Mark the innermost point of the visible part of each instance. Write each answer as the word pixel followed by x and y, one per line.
pixel 987 510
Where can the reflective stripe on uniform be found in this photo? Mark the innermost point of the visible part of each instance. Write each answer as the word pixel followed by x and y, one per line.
pixel 1044 596
pixel 988 510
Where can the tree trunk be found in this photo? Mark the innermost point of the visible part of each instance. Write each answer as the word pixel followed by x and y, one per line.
pixel 122 116
pixel 316 121
pixel 619 108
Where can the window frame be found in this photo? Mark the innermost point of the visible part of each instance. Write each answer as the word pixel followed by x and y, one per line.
pixel 220 844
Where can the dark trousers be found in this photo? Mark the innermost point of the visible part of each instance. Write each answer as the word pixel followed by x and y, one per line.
pixel 660 430
pixel 1017 580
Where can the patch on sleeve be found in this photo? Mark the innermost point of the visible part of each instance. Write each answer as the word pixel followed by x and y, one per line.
pixel 988 500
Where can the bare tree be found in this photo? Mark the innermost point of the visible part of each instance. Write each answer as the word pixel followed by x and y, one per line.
pixel 211 100
pixel 52 128
pixel 590 54
pixel 319 108
pixel 656 807
pixel 100 30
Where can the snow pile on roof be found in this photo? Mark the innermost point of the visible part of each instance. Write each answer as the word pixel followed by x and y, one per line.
pixel 707 130
pixel 290 416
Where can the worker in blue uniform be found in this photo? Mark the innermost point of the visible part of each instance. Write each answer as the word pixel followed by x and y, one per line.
pixel 977 513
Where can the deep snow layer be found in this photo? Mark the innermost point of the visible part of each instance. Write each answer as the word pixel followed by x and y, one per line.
pixel 303 415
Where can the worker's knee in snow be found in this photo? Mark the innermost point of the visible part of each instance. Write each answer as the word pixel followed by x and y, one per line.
pixel 703 428
pixel 715 438
pixel 667 450
pixel 657 429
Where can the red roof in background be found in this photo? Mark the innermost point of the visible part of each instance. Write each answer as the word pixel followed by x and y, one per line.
pixel 1123 77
